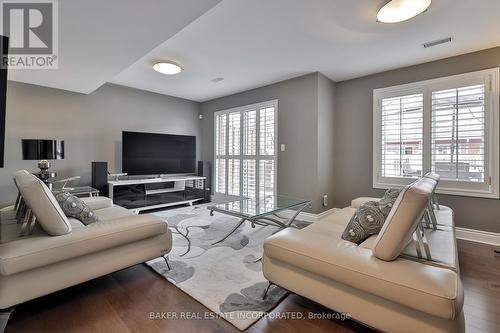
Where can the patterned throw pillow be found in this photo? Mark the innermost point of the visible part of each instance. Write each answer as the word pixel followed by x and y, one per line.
pixel 367 221
pixel 74 207
pixel 369 218
pixel 385 204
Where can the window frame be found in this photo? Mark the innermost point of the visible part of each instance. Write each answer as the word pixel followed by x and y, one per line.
pixel 242 156
pixel 490 78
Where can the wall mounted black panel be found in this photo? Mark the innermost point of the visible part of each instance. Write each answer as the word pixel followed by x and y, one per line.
pixel 4 47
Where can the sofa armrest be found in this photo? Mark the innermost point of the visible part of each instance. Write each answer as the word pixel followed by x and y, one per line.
pixel 356 203
pixel 41 250
pixel 430 289
pixel 96 203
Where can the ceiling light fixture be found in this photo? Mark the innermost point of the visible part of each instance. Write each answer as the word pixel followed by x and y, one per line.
pixel 167 67
pixel 401 10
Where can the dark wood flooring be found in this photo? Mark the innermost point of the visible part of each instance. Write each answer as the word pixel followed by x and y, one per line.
pixel 122 301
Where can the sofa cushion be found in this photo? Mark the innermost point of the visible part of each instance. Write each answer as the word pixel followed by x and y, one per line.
pixel 76 208
pixel 42 202
pixel 433 290
pixel 334 223
pixel 75 224
pixel 112 213
pixel 403 219
pixel 96 203
pixel 444 216
pixel 35 251
pixel 442 247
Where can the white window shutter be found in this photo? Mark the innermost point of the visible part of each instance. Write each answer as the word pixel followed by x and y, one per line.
pixel 245 150
pixel 250 132
pixel 220 177
pixel 402 136
pixel 266 177
pixel 267 131
pixel 458 133
pixel 233 179
pixel 234 133
pixel 249 178
pixel 220 137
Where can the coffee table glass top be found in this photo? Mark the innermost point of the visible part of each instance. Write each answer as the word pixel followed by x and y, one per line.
pixel 252 208
pixel 80 190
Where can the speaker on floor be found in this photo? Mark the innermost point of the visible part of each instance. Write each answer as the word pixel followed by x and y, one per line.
pixel 205 170
pixel 100 177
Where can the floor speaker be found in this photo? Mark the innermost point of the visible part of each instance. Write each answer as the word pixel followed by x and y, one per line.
pixel 100 177
pixel 205 170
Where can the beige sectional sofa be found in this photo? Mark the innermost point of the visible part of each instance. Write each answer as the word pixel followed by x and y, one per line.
pixel 38 264
pixel 383 282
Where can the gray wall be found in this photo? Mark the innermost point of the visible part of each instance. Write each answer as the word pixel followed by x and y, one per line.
pixel 353 135
pixel 90 125
pixel 326 126
pixel 326 139
pixel 297 128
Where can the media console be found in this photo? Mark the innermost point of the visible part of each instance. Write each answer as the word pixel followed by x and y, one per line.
pixel 139 194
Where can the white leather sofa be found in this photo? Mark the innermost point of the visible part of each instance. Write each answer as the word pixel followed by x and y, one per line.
pixel 38 264
pixel 382 282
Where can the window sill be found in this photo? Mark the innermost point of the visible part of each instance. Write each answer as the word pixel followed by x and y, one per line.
pixel 493 194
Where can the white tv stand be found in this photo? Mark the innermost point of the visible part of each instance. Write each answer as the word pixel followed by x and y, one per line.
pixel 139 194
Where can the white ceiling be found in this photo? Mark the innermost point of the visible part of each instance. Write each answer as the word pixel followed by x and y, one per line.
pixel 252 43
pixel 99 39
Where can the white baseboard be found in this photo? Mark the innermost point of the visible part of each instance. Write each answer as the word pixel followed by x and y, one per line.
pixel 478 236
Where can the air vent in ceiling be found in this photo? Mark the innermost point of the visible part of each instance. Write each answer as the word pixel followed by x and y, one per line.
pixel 217 79
pixel 437 42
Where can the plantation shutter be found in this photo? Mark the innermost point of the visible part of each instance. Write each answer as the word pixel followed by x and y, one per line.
pixel 245 149
pixel 458 133
pixel 402 136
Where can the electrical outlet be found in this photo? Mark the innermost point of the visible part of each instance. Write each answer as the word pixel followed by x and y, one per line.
pixel 283 147
pixel 325 200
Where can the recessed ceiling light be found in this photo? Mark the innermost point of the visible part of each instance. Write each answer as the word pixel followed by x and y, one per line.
pixel 401 10
pixel 167 67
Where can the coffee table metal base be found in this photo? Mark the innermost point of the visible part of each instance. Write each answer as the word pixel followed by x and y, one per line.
pixel 267 220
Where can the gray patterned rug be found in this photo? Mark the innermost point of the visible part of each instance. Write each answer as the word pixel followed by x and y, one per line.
pixel 225 277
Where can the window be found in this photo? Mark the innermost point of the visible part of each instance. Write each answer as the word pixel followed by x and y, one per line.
pixel 447 125
pixel 245 150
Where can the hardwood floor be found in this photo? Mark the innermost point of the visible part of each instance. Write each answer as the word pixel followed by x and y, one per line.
pixel 122 301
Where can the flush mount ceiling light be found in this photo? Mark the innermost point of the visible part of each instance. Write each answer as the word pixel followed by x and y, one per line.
pixel 167 67
pixel 401 10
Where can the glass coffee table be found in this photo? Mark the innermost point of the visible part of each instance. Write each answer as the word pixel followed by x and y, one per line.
pixel 263 211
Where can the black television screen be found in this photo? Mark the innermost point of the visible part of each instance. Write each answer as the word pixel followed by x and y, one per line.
pixel 149 153
pixel 4 46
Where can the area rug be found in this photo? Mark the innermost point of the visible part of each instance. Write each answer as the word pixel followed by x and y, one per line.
pixel 227 277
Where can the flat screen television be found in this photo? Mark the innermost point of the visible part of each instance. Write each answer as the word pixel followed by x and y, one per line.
pixel 150 153
pixel 4 47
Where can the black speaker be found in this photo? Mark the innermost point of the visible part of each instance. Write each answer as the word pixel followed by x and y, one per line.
pixel 100 177
pixel 205 170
